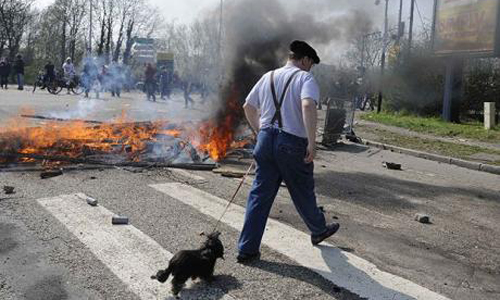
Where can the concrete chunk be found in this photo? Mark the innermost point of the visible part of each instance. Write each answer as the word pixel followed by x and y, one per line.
pixel 91 201
pixel 119 220
pixel 423 218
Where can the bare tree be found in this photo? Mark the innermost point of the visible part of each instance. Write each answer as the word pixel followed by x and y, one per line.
pixel 143 20
pixel 366 50
pixel 14 17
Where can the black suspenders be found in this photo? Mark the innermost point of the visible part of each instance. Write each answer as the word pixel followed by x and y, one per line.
pixel 277 105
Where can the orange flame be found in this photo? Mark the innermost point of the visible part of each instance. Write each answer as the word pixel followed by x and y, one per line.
pixel 77 139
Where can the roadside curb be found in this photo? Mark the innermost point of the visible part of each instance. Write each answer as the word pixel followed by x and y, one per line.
pixel 434 157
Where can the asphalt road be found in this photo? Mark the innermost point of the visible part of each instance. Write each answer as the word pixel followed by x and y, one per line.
pixel 53 247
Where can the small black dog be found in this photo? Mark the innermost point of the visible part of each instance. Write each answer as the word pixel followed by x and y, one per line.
pixel 193 264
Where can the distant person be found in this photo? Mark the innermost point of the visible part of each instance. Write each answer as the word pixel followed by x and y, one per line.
pixel 50 73
pixel 4 73
pixel 165 83
pixel 116 79
pixel 19 69
pixel 104 78
pixel 187 87
pixel 69 72
pixel 89 76
pixel 150 82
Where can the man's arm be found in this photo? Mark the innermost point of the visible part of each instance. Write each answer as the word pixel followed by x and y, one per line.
pixel 310 117
pixel 252 115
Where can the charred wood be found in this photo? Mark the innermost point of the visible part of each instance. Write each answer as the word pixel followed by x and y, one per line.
pixel 188 166
pixel 60 119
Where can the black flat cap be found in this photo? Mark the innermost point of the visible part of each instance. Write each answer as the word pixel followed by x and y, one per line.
pixel 303 48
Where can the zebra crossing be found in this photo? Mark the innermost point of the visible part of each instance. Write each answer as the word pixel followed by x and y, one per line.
pixel 129 253
pixel 133 256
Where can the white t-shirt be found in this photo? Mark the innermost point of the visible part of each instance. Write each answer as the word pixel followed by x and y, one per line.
pixel 302 86
pixel 69 69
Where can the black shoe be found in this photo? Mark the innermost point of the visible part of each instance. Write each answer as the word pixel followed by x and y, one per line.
pixel 244 258
pixel 330 230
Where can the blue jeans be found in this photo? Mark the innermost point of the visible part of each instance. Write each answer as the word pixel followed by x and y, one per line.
pixel 280 157
pixel 20 81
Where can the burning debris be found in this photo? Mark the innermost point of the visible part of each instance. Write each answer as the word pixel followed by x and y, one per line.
pixel 121 143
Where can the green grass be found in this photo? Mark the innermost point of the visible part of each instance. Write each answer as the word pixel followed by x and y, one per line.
pixel 427 145
pixel 436 126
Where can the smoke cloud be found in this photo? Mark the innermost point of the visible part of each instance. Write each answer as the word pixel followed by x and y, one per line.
pixel 258 33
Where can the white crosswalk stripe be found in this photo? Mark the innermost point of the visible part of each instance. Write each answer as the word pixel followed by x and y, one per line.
pixel 129 253
pixel 187 174
pixel 342 268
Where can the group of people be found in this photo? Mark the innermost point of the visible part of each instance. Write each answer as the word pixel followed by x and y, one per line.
pixel 164 82
pixel 106 78
pixel 151 79
pixel 7 69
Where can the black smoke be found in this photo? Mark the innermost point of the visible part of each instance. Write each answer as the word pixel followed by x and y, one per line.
pixel 257 35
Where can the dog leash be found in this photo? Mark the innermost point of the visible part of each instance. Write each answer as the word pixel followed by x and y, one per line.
pixel 234 195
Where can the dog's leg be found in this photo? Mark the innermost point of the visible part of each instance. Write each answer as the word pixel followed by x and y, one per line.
pixel 162 275
pixel 208 278
pixel 177 284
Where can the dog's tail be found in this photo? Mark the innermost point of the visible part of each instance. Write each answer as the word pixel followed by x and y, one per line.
pixel 162 275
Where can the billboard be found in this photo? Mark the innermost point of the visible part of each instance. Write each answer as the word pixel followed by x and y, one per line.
pixel 466 27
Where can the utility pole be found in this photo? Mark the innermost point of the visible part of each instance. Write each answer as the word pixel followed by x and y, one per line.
pixel 400 32
pixel 399 20
pixel 220 28
pixel 382 65
pixel 219 44
pixel 410 33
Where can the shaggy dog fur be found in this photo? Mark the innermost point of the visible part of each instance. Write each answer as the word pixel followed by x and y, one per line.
pixel 193 264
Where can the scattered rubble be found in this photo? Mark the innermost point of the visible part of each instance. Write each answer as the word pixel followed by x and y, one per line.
pixel 119 220
pixel 423 218
pixel 391 165
pixel 9 190
pixel 91 201
pixel 51 173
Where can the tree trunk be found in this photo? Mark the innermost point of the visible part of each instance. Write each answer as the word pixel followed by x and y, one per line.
pixel 109 36
pixel 128 44
pixel 63 40
pixel 118 46
pixel 102 39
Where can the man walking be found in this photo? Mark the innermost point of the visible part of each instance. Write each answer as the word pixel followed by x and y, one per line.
pixel 150 82
pixel 285 149
pixel 19 69
pixel 164 83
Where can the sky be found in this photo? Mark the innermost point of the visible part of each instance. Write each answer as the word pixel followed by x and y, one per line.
pixel 185 11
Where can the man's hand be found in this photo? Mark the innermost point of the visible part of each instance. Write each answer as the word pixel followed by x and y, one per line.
pixel 309 115
pixel 311 153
